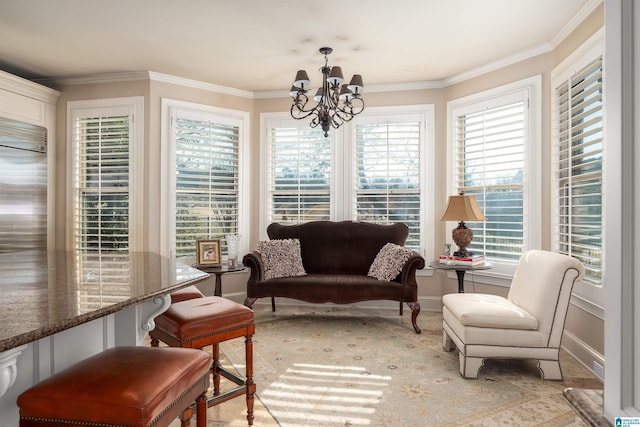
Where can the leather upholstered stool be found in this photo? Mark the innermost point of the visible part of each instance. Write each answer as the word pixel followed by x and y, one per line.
pixel 121 387
pixel 190 292
pixel 208 321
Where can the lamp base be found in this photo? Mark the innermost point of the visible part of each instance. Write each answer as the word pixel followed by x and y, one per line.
pixel 462 237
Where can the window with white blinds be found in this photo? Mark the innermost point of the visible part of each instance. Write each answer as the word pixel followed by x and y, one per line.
pixel 388 186
pixel 577 169
pixel 371 169
pixel 490 162
pixel 105 136
pixel 206 180
pixel 299 175
pixel 101 166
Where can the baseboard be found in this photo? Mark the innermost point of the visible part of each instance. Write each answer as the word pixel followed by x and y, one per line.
pixel 583 353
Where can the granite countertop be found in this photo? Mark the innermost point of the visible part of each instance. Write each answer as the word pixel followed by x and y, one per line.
pixel 42 293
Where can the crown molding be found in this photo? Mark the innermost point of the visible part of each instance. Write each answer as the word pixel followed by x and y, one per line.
pixel 501 63
pixel 575 21
pixel 15 84
pixel 166 78
pixel 148 75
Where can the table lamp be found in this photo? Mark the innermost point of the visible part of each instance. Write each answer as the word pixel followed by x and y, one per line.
pixel 462 208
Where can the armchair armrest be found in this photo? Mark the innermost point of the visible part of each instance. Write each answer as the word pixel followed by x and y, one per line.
pixel 408 274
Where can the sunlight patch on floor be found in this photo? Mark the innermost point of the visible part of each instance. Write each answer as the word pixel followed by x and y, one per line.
pixel 311 394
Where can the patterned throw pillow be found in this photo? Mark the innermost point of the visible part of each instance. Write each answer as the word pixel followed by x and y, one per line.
pixel 281 258
pixel 389 262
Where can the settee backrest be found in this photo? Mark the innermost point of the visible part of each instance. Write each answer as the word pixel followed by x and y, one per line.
pixel 344 247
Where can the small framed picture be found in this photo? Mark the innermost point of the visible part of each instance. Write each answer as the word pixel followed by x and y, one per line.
pixel 208 253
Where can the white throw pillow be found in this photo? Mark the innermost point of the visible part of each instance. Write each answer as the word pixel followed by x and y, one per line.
pixel 281 258
pixel 389 262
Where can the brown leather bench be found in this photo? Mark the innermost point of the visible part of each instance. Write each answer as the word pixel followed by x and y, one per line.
pixel 122 386
pixel 208 321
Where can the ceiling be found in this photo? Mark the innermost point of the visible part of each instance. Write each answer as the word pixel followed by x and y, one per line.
pixel 258 45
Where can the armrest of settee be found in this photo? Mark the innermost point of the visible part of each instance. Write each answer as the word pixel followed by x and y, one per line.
pixel 253 260
pixel 408 274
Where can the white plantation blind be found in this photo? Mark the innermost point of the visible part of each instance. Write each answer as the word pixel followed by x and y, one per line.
pixel 490 163
pixel 388 179
pixel 206 181
pixel 299 175
pixel 105 278
pixel 577 169
pixel 101 182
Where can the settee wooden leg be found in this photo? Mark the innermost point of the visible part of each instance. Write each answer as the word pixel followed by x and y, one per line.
pixel 273 304
pixel 415 310
pixel 401 308
pixel 248 302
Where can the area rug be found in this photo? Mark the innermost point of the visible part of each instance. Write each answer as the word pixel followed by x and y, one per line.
pixel 345 367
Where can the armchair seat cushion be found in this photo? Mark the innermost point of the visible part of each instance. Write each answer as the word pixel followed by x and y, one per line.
pixel 496 337
pixel 488 311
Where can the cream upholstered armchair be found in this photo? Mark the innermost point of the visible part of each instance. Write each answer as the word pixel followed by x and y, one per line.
pixel 528 324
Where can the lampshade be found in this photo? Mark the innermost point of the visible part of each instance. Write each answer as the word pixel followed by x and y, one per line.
pixel 356 85
pixel 463 207
pixel 345 93
pixel 336 75
pixel 302 79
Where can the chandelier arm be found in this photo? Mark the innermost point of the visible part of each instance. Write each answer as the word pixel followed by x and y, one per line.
pixel 299 113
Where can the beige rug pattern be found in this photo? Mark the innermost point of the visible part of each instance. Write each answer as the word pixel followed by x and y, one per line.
pixel 347 367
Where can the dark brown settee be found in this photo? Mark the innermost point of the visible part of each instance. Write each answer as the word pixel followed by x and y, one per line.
pixel 336 257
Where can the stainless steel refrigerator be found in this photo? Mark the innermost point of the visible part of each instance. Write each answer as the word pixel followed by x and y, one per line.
pixel 23 186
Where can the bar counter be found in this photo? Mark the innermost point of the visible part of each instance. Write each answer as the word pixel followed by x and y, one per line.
pixel 43 293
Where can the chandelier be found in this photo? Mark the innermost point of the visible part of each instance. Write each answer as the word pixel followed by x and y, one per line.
pixel 337 103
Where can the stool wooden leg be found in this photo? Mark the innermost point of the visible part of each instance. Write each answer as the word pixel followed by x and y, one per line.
pixel 201 410
pixel 185 418
pixel 215 367
pixel 251 386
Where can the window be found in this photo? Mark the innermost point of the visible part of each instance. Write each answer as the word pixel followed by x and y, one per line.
pixel 388 175
pixel 371 169
pixel 577 169
pixel 495 156
pixel 204 175
pixel 299 175
pixel 103 135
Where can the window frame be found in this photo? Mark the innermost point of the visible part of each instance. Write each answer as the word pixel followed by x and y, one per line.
pixel 502 272
pixel 587 296
pixel 168 180
pixel 343 158
pixel 134 107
